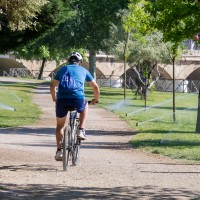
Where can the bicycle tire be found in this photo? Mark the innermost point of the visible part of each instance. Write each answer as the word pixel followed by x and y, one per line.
pixel 76 147
pixel 65 143
pixel 75 158
pixel 70 144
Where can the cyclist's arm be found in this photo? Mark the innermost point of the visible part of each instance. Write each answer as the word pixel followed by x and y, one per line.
pixel 96 90
pixel 54 83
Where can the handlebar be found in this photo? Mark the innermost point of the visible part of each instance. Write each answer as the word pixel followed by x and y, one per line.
pixel 89 102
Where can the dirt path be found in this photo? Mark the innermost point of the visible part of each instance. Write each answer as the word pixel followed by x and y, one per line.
pixel 109 168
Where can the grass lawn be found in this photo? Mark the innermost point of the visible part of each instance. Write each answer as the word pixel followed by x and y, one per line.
pixel 16 106
pixel 157 133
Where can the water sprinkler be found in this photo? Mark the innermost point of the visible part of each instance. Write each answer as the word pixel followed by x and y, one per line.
pixel 7 107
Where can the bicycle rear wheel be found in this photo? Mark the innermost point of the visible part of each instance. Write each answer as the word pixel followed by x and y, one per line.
pixel 75 157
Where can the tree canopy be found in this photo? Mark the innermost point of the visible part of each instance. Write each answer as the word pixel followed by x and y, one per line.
pixel 87 27
pixel 177 20
pixel 20 14
pixel 92 22
pixel 32 24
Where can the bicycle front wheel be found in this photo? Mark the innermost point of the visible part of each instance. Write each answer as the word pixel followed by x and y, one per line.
pixel 66 148
pixel 76 149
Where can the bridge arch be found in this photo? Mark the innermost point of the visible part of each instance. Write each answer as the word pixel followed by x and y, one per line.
pixel 162 70
pixel 8 64
pixel 163 73
pixel 194 75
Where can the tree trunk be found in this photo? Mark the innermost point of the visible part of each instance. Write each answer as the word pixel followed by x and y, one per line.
pixel 174 106
pixel 125 58
pixel 40 76
pixel 198 115
pixel 92 63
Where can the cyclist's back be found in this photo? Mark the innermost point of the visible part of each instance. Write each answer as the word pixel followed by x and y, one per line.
pixel 80 74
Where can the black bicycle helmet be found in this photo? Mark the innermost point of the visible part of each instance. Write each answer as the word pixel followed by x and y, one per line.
pixel 75 57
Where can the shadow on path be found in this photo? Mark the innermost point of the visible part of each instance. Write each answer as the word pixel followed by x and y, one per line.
pixel 38 191
pixel 29 167
pixel 50 132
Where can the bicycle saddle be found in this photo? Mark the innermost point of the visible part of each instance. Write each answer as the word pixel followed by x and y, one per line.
pixel 71 108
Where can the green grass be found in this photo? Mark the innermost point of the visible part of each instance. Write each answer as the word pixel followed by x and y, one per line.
pixel 157 133
pixel 16 106
pixel 3 188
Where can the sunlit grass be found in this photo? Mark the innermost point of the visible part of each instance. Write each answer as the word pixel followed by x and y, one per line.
pixel 16 106
pixel 157 132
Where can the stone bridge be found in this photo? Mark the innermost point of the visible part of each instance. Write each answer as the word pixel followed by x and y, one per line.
pixel 107 66
pixel 187 68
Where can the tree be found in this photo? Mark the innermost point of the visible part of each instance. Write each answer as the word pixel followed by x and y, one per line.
pixel 178 21
pixel 133 20
pixel 83 29
pixel 44 19
pixel 145 53
pixel 45 55
pixel 41 49
pixel 89 30
pixel 147 47
pixel 46 46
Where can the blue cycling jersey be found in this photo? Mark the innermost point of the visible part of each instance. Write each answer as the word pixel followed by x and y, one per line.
pixel 80 74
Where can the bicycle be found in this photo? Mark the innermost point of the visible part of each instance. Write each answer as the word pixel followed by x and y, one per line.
pixel 71 143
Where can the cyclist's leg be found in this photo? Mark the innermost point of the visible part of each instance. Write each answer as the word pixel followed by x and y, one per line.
pixel 59 130
pixel 61 113
pixel 83 117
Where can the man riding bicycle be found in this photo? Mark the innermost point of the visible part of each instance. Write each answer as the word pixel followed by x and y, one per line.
pixel 70 81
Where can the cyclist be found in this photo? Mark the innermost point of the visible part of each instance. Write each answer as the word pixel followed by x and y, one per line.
pixel 75 98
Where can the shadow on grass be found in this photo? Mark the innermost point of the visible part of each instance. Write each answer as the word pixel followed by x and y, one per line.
pixel 61 192
pixel 157 131
pixel 164 141
pixel 107 92
pixel 157 143
pixel 159 140
pixel 19 84
pixel 43 88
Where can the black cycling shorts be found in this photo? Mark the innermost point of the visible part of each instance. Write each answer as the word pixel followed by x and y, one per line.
pixel 63 104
